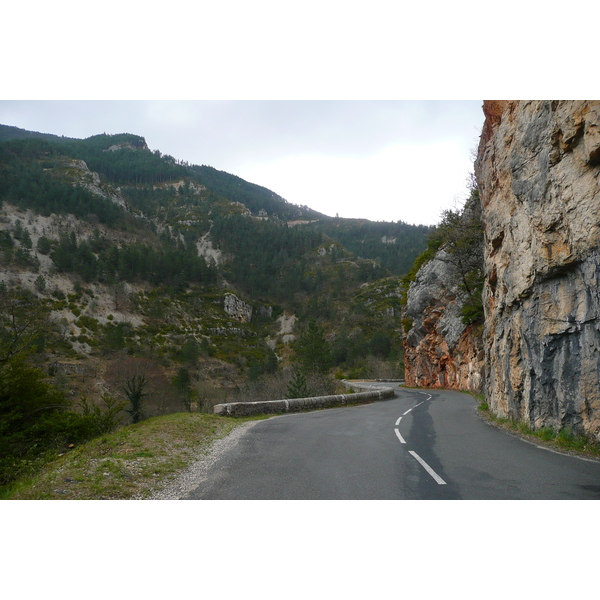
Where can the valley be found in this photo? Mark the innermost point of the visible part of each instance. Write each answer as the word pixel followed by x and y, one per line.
pixel 141 268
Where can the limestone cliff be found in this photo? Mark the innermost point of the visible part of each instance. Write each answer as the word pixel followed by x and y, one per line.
pixel 439 349
pixel 538 172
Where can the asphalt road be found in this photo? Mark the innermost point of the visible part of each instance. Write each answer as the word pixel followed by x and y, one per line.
pixel 418 445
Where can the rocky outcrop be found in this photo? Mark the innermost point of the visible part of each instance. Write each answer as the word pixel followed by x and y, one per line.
pixel 237 309
pixel 79 173
pixel 439 349
pixel 139 144
pixel 538 172
pixel 206 249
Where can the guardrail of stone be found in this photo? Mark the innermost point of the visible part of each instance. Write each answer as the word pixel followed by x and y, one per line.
pixel 244 409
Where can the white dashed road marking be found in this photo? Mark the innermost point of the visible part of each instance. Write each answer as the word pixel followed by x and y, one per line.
pixel 402 440
pixel 435 476
pixel 428 468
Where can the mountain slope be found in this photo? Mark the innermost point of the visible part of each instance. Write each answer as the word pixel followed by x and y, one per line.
pixel 140 257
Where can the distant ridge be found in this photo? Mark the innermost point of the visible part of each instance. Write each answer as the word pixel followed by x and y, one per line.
pixel 9 132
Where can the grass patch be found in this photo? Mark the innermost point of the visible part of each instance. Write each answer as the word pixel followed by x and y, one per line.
pixel 132 462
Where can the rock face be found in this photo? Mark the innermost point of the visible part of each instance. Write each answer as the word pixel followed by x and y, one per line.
pixel 538 172
pixel 236 308
pixel 439 350
pixel 207 250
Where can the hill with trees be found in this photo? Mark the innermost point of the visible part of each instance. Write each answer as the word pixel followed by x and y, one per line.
pixel 393 245
pixel 133 284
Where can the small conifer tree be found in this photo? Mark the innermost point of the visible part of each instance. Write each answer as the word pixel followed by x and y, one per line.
pixel 40 283
pixel 298 388
pixel 312 350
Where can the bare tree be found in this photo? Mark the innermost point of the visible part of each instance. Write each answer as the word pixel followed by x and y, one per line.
pixel 134 389
pixel 22 319
pixel 145 385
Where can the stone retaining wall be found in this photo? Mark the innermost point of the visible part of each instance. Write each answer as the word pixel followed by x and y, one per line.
pixel 244 409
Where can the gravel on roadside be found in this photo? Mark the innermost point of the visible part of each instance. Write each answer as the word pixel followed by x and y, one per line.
pixel 190 477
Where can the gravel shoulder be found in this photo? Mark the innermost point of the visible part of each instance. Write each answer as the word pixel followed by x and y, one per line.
pixel 197 471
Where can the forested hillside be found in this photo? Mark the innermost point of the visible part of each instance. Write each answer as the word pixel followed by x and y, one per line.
pixel 393 245
pixel 135 284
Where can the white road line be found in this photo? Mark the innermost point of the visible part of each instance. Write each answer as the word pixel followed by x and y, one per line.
pixel 402 440
pixel 398 421
pixel 438 479
pixel 415 406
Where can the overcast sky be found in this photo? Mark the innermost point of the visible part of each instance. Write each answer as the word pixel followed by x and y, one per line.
pixel 380 160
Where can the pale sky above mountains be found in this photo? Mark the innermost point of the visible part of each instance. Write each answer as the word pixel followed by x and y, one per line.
pixel 380 160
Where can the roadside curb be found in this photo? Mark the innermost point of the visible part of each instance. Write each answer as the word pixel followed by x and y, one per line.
pixel 244 409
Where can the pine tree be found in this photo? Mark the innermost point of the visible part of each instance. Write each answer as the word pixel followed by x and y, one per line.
pixel 312 349
pixel 40 283
pixel 298 387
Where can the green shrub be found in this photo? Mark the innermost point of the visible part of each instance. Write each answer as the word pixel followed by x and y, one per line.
pixel 44 245
pixel 106 418
pixel 407 324
pixel 40 283
pixel 87 323
pixel 35 418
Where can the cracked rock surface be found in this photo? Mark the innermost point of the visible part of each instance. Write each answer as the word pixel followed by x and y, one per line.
pixel 538 171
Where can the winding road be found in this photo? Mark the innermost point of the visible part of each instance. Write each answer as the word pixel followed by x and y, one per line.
pixel 418 445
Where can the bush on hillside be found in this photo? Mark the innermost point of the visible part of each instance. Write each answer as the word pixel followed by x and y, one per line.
pixel 35 419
